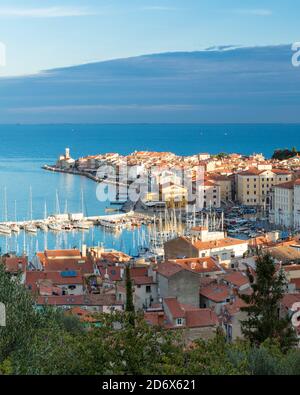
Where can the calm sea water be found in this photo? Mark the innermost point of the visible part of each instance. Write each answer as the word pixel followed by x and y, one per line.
pixel 25 148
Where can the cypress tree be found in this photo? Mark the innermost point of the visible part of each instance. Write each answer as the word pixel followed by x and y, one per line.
pixel 129 293
pixel 263 321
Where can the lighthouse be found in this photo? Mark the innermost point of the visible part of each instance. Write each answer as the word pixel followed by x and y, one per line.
pixel 67 154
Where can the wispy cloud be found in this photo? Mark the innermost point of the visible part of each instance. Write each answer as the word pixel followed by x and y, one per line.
pixel 253 11
pixel 44 12
pixel 158 8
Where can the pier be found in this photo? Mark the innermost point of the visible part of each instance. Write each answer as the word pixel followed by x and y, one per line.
pixel 73 221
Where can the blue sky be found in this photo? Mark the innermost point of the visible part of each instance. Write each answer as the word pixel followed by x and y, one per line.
pixel 46 34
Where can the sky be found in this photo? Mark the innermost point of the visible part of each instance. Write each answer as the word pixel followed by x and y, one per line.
pixel 46 34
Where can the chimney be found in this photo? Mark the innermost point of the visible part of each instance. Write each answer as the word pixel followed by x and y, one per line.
pixel 204 265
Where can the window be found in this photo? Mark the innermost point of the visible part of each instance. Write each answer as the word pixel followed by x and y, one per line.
pixel 179 321
pixel 148 289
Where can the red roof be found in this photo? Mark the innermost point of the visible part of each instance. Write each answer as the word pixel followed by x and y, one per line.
pixel 236 278
pixel 113 272
pixel 33 277
pixel 216 292
pixel 286 185
pixel 64 260
pixel 15 264
pixel 168 269
pixel 198 265
pixel 201 318
pixel 138 271
pixel 174 307
pixel 143 280
pixel 289 299
pixel 296 281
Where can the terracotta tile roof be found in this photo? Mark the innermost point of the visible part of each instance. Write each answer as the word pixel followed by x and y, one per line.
pixel 168 269
pixel 113 272
pixel 296 281
pixel 61 260
pixel 286 185
pixel 198 265
pixel 138 271
pixel 281 171
pixel 34 277
pixel 198 318
pixel 15 264
pixel 62 253
pixel 236 278
pixel 174 307
pixel 216 292
pixel 251 172
pixel 289 299
pixel 115 256
pixel 226 242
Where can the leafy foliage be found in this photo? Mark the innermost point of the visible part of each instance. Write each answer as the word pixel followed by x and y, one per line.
pixel 46 342
pixel 263 320
pixel 282 154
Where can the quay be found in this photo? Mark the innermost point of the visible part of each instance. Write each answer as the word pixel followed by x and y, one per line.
pixel 82 173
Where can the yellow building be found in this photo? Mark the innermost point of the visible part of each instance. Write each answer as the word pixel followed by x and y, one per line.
pixel 173 195
pixel 225 184
pixel 254 186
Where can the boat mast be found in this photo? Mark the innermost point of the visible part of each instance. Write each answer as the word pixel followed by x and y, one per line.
pixel 45 210
pixel 16 220
pixel 30 203
pixel 57 208
pixel 5 205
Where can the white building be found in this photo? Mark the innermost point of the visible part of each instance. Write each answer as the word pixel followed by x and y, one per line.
pixel 286 205
pixel 283 204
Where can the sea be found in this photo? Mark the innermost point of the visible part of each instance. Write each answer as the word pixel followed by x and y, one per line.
pixel 24 149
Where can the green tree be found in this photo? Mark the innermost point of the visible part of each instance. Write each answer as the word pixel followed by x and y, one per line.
pixel 21 318
pixel 263 321
pixel 129 291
